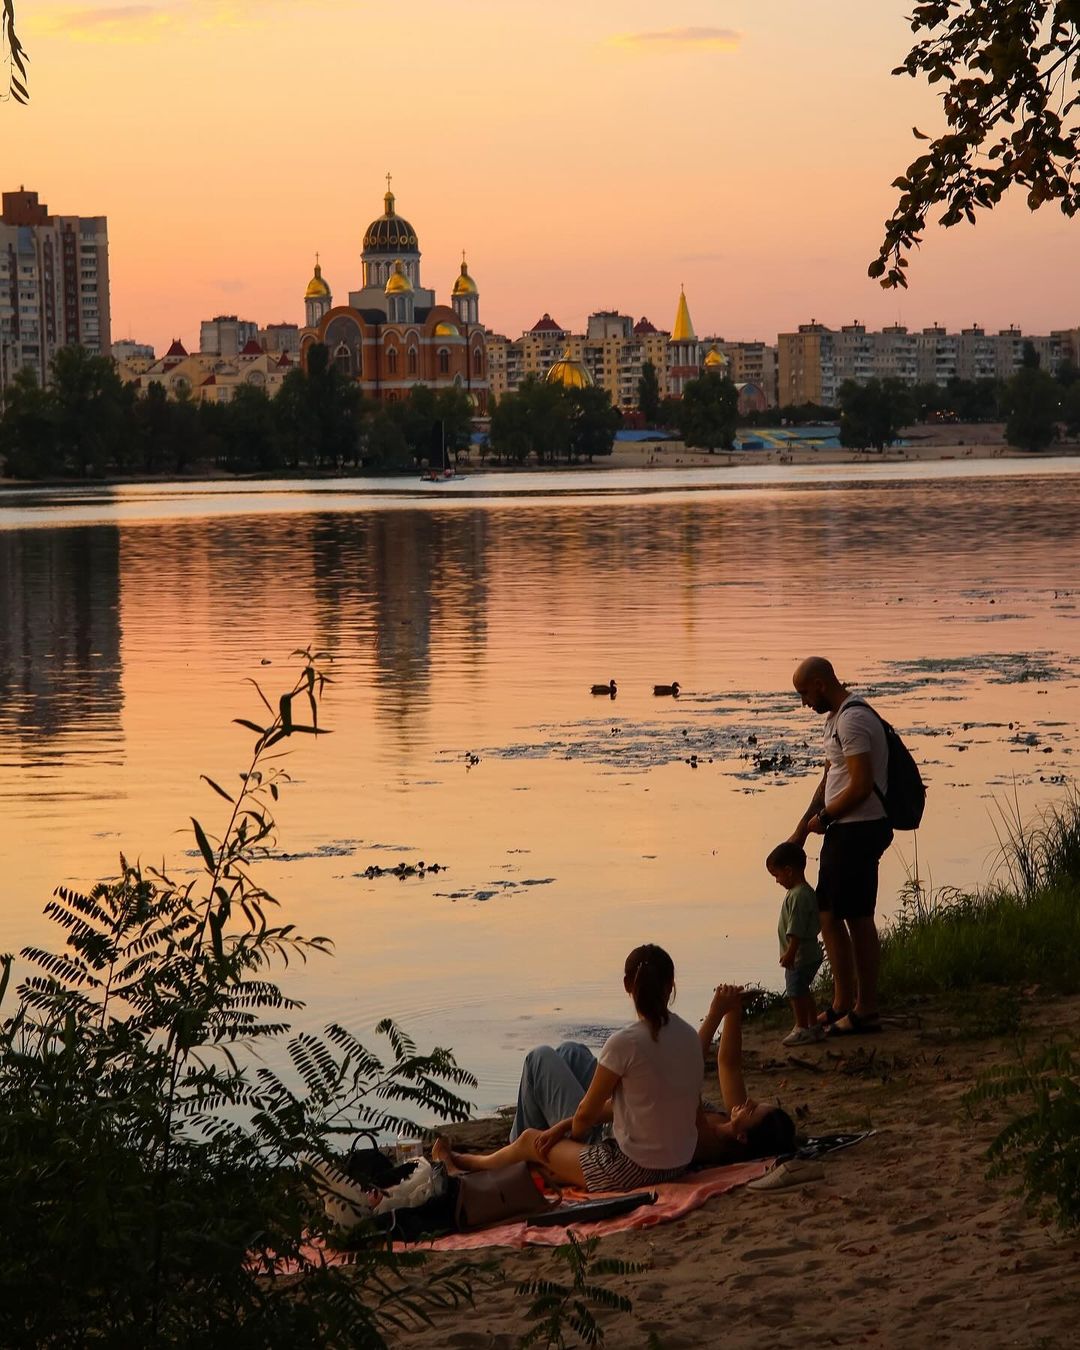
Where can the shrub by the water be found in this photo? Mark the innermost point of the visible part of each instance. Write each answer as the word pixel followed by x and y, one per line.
pixel 159 1183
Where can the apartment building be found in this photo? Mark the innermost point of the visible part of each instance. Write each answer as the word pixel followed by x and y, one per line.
pixel 54 285
pixel 816 360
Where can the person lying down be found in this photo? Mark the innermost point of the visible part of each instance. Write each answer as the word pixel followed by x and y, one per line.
pixel 634 1117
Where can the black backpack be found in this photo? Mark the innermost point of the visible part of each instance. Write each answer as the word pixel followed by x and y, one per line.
pixel 904 798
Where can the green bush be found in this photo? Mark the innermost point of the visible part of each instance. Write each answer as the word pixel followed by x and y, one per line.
pixel 159 1183
pixel 1042 1143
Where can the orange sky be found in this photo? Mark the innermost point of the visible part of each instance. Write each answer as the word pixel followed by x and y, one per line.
pixel 586 156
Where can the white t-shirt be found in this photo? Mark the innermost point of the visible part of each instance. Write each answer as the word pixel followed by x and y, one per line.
pixel 656 1099
pixel 854 730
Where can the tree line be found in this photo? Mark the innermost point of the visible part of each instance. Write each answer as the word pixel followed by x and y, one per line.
pixel 87 423
pixel 1034 405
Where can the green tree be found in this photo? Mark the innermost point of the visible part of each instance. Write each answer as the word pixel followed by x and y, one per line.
pixel 386 448
pixel 28 439
pixel 533 420
pixel 152 424
pixel 91 411
pixel 1032 402
pixel 593 423
pixel 1010 77
pixel 872 414
pixel 1070 408
pixel 249 430
pixel 319 414
pixel 709 412
pixel 648 394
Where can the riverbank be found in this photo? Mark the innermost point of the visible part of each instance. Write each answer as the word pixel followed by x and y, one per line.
pixel 904 1239
pixel 923 445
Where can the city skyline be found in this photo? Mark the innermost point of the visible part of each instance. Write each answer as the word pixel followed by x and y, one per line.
pixel 583 160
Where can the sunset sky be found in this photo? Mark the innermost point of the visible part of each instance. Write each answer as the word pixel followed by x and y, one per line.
pixel 586 155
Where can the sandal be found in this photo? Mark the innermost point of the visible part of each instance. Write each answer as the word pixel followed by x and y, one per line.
pixel 829 1016
pixel 858 1024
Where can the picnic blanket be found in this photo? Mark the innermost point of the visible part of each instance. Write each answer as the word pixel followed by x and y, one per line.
pixel 673 1200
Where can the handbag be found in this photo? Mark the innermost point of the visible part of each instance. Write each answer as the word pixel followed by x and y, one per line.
pixel 497 1196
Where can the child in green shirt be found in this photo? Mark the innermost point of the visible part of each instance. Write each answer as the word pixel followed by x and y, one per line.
pixel 798 929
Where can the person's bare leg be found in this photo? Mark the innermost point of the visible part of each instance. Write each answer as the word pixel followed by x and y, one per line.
pixel 866 949
pixel 521 1150
pixel 804 1010
pixel 563 1162
pixel 837 940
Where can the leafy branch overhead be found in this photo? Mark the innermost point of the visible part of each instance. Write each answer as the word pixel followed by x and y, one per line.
pixel 1011 76
pixel 15 55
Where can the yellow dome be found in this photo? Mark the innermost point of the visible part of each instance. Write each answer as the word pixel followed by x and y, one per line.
pixel 464 285
pixel 317 289
pixel 569 373
pixel 399 283
pixel 445 329
pixel 715 359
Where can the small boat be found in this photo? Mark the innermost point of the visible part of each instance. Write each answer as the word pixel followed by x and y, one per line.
pixel 608 689
pixel 666 690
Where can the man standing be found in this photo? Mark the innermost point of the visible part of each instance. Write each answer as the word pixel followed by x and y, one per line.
pixel 848 810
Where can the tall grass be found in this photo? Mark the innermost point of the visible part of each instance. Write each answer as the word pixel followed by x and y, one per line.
pixel 1024 929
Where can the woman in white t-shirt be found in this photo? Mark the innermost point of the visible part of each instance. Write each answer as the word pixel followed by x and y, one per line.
pixel 647 1084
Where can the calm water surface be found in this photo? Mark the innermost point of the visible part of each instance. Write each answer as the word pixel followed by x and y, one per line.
pixel 131 619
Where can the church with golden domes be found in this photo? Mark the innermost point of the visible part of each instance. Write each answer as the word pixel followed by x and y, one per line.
pixel 393 333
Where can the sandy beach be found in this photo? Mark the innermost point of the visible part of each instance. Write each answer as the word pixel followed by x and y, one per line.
pixel 904 1242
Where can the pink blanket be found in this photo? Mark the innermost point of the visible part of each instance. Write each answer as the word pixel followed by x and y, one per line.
pixel 674 1199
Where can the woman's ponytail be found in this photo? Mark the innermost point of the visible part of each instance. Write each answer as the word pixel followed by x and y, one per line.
pixel 649 978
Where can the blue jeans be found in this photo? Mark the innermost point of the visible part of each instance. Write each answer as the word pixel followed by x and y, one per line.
pixel 553 1083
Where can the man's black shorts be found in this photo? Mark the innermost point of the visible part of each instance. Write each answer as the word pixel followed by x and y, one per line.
pixel 848 869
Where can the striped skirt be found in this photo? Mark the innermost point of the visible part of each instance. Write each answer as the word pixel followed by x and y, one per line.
pixel 607 1168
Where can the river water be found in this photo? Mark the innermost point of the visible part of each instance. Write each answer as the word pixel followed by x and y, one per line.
pixel 471 621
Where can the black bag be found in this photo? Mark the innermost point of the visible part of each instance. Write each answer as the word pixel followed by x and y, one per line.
pixel 904 798
pixel 369 1166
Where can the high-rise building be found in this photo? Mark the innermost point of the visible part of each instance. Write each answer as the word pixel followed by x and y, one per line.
pixel 54 285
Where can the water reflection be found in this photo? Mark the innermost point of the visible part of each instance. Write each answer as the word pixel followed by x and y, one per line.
pixel 459 625
pixel 60 634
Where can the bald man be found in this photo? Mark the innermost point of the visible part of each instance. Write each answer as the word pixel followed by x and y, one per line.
pixel 848 809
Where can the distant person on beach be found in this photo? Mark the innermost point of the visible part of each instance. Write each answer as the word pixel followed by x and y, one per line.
pixel 798 929
pixel 847 808
pixel 556 1081
pixel 647 1084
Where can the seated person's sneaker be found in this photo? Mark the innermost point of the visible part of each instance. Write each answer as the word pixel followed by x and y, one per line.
pixel 804 1036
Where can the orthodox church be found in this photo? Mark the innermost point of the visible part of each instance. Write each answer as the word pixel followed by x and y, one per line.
pixel 393 333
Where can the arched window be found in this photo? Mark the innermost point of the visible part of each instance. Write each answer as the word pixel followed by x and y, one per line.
pixel 391 361
pixel 342 360
pixel 444 361
pixel 412 360
pixel 478 361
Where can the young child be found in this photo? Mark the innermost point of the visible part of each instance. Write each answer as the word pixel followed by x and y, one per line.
pixel 800 951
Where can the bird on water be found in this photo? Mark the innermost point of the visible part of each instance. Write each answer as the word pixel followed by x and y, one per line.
pixel 608 689
pixel 665 690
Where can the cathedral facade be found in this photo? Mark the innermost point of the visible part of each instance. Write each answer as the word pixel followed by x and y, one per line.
pixel 393 333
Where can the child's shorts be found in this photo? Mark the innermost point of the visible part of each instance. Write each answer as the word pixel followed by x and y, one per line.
pixel 799 980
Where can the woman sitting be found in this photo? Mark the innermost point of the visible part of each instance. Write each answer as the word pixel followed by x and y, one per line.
pixel 647 1083
pixel 556 1082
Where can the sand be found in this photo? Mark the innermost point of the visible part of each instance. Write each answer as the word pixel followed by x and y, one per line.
pixel 905 1243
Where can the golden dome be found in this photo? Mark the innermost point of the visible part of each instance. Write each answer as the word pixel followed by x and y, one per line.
pixel 569 373
pixel 317 289
pixel 464 285
pixel 715 358
pixel 399 283
pixel 445 329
